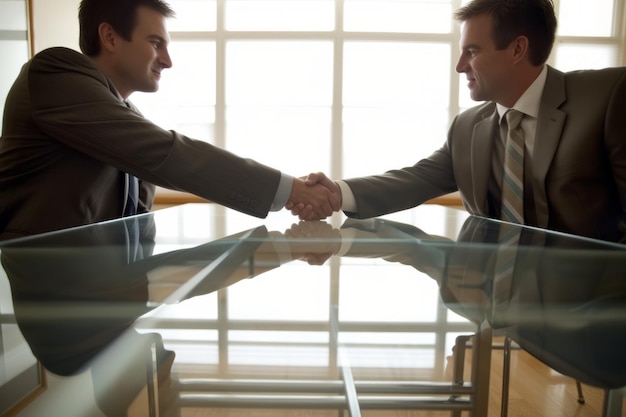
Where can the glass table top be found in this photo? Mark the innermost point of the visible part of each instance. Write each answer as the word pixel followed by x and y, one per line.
pixel 199 306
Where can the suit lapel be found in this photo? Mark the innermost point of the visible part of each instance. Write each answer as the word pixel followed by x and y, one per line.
pixel 549 128
pixel 481 148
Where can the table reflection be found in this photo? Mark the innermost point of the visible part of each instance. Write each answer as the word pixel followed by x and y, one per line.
pixel 564 302
pixel 287 303
pixel 76 295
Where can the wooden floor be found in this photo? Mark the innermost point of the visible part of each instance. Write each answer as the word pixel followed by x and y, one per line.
pixel 535 391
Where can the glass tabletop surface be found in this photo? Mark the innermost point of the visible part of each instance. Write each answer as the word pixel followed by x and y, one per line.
pixel 199 306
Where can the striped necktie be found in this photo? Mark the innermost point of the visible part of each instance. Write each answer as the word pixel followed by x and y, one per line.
pixel 513 178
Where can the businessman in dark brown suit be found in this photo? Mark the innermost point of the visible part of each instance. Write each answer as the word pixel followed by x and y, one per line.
pixel 72 146
pixel 573 127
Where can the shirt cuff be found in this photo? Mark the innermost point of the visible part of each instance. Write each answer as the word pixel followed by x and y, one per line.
pixel 348 202
pixel 283 192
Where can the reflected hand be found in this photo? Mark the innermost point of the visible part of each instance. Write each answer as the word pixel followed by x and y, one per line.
pixel 313 242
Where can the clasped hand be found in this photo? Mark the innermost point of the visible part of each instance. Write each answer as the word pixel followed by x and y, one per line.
pixel 314 197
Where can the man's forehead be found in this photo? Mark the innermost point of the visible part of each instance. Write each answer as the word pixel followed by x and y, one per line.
pixel 476 29
pixel 151 22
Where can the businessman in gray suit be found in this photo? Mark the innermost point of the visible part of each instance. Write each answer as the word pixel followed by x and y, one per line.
pixel 74 150
pixel 574 129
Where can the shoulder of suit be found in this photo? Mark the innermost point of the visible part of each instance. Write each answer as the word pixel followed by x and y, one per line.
pixel 61 54
pixel 61 59
pixel 610 72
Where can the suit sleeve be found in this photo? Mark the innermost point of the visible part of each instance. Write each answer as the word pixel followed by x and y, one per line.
pixel 404 188
pixel 74 103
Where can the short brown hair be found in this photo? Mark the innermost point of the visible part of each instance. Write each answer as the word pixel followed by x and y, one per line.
pixel 534 19
pixel 120 14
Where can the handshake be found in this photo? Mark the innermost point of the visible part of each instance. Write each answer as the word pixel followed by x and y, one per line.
pixel 314 197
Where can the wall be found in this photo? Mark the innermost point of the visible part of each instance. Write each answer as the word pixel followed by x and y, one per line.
pixel 55 23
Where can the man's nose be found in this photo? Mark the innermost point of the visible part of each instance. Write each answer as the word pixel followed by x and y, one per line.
pixel 165 59
pixel 461 65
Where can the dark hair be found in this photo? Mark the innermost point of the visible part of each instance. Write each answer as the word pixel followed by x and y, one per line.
pixel 120 14
pixel 534 19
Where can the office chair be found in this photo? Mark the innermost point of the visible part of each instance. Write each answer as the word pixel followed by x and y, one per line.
pixel 463 342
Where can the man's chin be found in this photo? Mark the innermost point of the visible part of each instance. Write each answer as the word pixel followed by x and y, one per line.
pixel 149 89
pixel 475 95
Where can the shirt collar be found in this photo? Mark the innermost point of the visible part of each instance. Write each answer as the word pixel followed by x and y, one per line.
pixel 530 101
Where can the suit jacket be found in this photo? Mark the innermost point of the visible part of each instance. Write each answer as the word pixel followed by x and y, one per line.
pixel 68 141
pixel 578 165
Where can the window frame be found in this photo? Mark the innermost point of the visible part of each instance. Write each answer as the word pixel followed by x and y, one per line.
pixel 339 37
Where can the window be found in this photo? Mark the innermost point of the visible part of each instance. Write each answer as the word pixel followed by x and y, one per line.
pixel 589 37
pixel 348 87
pixel 14 44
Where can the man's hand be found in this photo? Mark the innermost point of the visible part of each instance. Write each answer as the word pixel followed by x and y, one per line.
pixel 314 197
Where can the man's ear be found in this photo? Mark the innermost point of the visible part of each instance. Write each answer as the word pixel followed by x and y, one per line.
pixel 520 48
pixel 108 37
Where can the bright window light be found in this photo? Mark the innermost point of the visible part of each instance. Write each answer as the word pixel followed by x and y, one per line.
pixel 280 15
pixel 408 16
pixel 577 20
pixel 193 15
pixel 391 96
pixel 574 56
